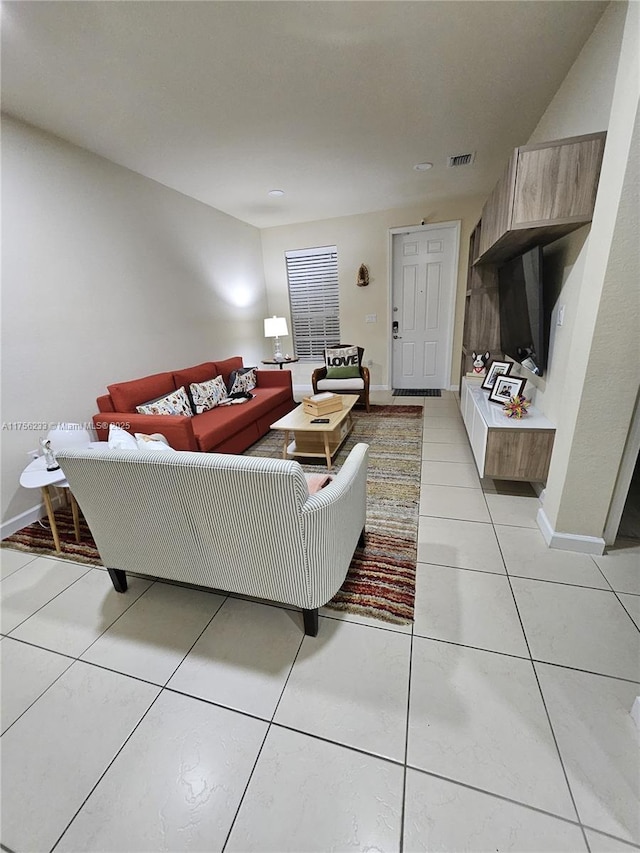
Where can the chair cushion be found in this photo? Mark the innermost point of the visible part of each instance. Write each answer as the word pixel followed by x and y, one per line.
pixel 341 386
pixel 217 425
pixel 342 363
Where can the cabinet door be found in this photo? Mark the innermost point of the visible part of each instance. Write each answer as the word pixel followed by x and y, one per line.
pixel 479 432
pixel 496 214
pixel 557 182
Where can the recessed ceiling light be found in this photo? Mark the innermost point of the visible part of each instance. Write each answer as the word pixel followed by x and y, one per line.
pixel 422 167
pixel 276 193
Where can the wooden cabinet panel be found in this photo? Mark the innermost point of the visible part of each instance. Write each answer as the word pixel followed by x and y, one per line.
pixel 557 182
pixel 522 455
pixel 496 214
pixel 547 191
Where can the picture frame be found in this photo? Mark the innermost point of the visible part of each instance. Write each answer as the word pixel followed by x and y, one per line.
pixel 495 369
pixel 505 387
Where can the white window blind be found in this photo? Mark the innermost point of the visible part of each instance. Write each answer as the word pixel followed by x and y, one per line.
pixel 313 295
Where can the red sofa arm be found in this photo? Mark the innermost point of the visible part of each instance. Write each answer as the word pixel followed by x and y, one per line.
pixel 177 429
pixel 274 379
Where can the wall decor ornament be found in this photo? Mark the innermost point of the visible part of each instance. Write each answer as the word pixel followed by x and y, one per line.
pixel 516 407
pixel 363 276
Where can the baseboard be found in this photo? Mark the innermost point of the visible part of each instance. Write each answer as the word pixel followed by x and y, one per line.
pixel 300 391
pixel 12 525
pixel 569 541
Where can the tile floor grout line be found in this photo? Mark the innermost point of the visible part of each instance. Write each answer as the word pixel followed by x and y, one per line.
pixel 129 606
pixel 535 674
pixel 107 768
pixel 574 822
pixel 397 762
pixel 633 621
pixel 191 647
pixel 406 747
pixel 557 745
pixel 270 723
pixel 39 696
pixel 50 600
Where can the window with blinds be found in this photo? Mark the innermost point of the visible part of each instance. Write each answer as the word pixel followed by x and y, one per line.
pixel 312 275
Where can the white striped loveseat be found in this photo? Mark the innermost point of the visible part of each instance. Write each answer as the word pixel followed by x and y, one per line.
pixel 234 523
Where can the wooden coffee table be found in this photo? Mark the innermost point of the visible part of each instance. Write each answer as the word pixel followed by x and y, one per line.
pixel 317 440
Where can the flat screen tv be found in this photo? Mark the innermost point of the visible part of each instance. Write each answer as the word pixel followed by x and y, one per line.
pixel 521 310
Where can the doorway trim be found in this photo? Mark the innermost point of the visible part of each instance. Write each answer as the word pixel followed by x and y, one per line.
pixel 456 226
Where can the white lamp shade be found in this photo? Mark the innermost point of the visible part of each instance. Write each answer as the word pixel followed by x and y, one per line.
pixel 68 435
pixel 275 327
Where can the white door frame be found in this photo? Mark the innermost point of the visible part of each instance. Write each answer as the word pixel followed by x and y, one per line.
pixel 454 224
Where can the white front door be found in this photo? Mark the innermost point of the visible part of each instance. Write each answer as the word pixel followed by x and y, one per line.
pixel 424 279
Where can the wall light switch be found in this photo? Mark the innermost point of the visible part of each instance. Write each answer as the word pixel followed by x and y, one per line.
pixel 560 320
pixel 371 318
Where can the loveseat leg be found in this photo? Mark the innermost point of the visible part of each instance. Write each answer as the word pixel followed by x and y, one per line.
pixel 311 622
pixel 118 579
pixel 361 540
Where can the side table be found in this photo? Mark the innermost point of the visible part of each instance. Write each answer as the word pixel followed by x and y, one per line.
pixel 280 364
pixel 36 476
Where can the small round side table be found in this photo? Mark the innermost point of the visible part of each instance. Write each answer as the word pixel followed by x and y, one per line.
pixel 36 476
pixel 280 364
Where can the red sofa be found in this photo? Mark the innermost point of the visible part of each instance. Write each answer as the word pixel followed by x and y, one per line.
pixel 225 429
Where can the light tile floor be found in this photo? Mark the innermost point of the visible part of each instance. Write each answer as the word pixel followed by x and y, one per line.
pixel 182 720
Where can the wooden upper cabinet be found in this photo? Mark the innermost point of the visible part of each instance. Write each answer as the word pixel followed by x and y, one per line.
pixel 547 191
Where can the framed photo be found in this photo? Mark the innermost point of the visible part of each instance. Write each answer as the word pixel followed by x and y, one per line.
pixel 496 368
pixel 506 387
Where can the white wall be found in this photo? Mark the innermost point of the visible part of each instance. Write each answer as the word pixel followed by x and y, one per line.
pixel 592 381
pixel 108 276
pixel 364 239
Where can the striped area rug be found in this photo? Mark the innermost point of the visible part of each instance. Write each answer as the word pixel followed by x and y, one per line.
pixel 381 579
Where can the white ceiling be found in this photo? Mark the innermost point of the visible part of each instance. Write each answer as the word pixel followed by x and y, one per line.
pixel 333 102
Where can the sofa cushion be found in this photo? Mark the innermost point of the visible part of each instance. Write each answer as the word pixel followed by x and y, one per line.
pixel 207 395
pixel 225 367
pixel 217 425
pixel 198 373
pixel 175 403
pixel 127 395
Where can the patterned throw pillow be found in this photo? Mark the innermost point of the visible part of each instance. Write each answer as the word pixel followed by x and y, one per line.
pixel 342 363
pixel 207 395
pixel 243 380
pixel 176 403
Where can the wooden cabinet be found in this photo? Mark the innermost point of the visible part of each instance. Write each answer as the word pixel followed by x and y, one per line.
pixel 546 191
pixel 503 448
pixel 481 331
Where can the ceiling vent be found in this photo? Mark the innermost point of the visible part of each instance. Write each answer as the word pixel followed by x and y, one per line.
pixel 461 159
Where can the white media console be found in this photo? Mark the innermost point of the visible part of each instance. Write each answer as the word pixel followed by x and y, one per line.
pixel 505 448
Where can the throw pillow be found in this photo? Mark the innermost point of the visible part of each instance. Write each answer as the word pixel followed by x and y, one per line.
pixel 315 482
pixel 207 395
pixel 342 363
pixel 176 403
pixel 243 380
pixel 120 439
pixel 155 442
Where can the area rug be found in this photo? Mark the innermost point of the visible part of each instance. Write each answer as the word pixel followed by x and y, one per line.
pixel 380 582
pixel 37 539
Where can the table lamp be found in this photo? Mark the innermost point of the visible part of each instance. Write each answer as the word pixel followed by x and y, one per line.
pixel 275 327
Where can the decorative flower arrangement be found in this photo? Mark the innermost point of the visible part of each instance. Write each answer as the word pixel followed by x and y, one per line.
pixel 516 407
